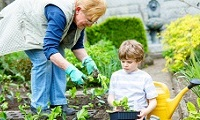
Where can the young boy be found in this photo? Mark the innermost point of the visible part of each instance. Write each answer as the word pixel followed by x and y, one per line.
pixel 131 82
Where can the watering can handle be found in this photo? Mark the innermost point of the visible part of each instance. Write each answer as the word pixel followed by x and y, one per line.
pixel 194 82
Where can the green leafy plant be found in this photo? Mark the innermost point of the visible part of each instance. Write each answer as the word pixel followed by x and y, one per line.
pixel 194 113
pixel 3 106
pixel 16 63
pixel 83 113
pixel 99 91
pixel 17 95
pixel 180 38
pixel 72 92
pixel 192 70
pixel 3 115
pixel 122 104
pixel 106 62
pixel 27 116
pixel 55 113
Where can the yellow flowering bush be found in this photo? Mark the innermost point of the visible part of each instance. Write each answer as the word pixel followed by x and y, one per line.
pixel 180 38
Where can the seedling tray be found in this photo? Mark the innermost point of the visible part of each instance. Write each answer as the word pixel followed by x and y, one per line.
pixel 124 115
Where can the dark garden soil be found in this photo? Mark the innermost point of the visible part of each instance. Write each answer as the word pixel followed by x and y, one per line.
pixel 97 112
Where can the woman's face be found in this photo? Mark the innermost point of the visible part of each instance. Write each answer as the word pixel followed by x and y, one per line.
pixel 81 19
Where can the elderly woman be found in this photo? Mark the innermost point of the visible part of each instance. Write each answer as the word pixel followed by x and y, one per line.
pixel 43 29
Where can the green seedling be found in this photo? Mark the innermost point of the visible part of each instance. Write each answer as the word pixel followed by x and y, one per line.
pixel 194 114
pixel 72 92
pixel 121 104
pixel 3 115
pixel 83 113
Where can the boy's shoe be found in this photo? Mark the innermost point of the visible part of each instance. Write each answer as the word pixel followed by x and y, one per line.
pixel 65 109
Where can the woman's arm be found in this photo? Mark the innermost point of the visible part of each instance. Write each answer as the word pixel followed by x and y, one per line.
pixel 56 24
pixel 80 53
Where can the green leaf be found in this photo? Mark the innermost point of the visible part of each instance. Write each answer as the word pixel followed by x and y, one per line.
pixel 72 92
pixel 122 103
pixel 82 114
pixel 191 107
pixel 3 116
pixel 4 106
pixel 116 103
pixel 198 102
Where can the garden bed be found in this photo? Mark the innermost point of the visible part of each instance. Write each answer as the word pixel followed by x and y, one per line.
pixel 98 112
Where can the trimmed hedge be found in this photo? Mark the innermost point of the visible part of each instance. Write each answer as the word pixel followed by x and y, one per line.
pixel 118 29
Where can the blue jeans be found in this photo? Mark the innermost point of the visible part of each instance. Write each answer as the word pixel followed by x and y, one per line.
pixel 48 81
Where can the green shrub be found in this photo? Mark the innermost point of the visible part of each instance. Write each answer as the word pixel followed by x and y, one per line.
pixel 192 70
pixel 118 29
pixel 180 38
pixel 194 113
pixel 103 53
pixel 105 56
pixel 16 64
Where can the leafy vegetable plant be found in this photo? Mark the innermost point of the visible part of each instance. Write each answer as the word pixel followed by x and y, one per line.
pixel 122 104
pixel 83 113
pixel 194 114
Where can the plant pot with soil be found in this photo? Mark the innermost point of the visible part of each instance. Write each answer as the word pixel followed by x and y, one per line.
pixel 122 111
pixel 124 115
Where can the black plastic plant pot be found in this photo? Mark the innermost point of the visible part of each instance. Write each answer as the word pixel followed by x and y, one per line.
pixel 124 115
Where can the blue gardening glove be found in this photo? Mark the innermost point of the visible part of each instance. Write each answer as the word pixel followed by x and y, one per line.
pixel 75 75
pixel 89 64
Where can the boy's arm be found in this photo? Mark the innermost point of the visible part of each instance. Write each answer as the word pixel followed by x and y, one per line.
pixel 151 106
pixel 110 99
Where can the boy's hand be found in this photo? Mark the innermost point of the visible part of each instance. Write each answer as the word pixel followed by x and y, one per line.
pixel 119 108
pixel 143 114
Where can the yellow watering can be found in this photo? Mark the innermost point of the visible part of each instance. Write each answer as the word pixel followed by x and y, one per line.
pixel 166 106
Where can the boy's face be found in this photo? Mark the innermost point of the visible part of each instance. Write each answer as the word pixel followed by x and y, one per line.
pixel 129 65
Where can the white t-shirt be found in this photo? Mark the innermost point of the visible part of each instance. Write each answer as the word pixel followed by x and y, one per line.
pixel 137 86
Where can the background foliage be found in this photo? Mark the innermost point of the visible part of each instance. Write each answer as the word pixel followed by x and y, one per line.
pixel 16 64
pixel 180 38
pixel 103 53
pixel 102 43
pixel 118 29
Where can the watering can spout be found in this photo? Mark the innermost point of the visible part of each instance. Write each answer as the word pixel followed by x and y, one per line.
pixel 194 82
pixel 173 103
